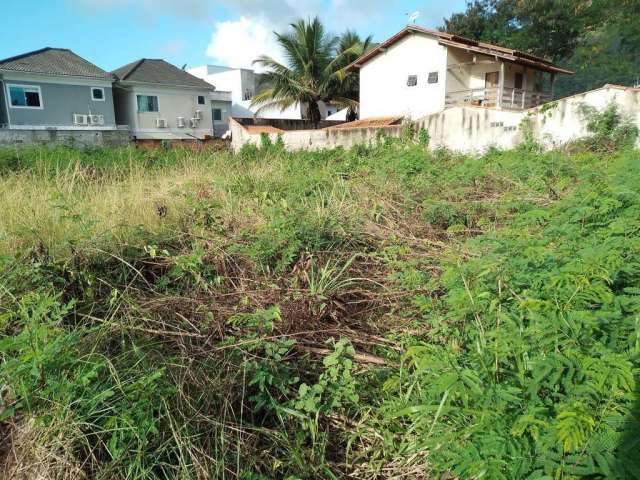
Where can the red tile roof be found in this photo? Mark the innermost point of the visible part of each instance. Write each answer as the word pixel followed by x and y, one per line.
pixel 448 39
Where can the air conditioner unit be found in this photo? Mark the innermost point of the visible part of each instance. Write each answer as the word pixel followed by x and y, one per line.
pixel 161 123
pixel 79 119
pixel 96 119
pixel 194 122
pixel 198 114
pixel 180 122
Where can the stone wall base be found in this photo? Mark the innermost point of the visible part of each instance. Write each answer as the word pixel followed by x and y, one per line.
pixel 72 138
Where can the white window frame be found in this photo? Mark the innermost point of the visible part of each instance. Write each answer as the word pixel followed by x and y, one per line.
pixel 103 99
pixel 24 107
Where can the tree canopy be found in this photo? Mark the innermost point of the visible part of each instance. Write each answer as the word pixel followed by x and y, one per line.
pixel 315 69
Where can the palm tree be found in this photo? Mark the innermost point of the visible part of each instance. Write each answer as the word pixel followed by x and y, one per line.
pixel 350 47
pixel 315 70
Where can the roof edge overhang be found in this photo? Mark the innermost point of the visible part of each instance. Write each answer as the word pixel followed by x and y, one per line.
pixel 456 41
pixel 56 75
pixel 132 83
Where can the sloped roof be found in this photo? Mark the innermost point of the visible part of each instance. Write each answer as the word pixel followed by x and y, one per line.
pixel 369 123
pixel 159 72
pixel 448 39
pixel 54 61
pixel 263 129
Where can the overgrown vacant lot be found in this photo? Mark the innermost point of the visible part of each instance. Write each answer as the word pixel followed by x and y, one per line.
pixel 376 313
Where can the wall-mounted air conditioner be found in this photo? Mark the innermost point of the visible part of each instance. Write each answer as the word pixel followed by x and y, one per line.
pixel 180 122
pixel 198 114
pixel 96 119
pixel 194 122
pixel 161 123
pixel 80 119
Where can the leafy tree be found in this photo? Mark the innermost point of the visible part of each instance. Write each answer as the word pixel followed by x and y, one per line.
pixel 542 27
pixel 315 70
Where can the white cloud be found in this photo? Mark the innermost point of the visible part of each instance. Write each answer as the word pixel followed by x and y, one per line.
pixel 276 12
pixel 238 43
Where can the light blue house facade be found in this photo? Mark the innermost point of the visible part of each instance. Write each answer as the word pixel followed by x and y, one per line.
pixel 54 88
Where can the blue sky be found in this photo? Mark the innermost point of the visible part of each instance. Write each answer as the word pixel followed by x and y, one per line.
pixel 111 33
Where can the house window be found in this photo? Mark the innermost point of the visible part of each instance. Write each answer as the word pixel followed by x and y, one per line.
pixel 201 100
pixel 433 77
pixel 217 114
pixel 25 96
pixel 412 80
pixel 97 94
pixel 518 81
pixel 147 103
pixel 248 94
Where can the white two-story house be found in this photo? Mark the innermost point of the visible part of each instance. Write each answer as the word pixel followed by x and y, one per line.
pixel 420 71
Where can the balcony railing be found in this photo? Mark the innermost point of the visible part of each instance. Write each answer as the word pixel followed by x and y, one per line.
pixel 512 98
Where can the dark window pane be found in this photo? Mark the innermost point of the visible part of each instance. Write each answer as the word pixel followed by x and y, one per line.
pixel 32 99
pixel 412 80
pixel 518 81
pixel 17 97
pixel 98 94
pixel 201 100
pixel 147 103
pixel 217 114
pixel 433 77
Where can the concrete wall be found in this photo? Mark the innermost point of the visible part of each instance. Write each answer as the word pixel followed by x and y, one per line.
pixel 286 123
pixel 172 103
pixel 76 138
pixel 561 121
pixel 474 129
pixel 59 102
pixel 383 80
pixel 312 139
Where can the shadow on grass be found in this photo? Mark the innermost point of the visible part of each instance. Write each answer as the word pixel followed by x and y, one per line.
pixel 627 465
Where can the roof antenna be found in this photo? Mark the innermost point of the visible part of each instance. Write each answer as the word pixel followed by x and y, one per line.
pixel 413 16
pixel 184 67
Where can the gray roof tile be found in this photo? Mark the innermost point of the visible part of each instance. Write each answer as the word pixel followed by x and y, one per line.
pixel 159 72
pixel 54 61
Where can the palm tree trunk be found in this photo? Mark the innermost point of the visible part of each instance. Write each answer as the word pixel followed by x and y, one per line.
pixel 314 114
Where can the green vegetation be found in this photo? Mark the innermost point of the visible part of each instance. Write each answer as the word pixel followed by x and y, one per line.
pixel 382 312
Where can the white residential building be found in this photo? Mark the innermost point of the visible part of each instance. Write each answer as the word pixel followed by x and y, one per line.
pixel 243 84
pixel 420 71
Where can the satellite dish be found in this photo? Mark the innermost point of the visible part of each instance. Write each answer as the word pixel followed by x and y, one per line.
pixel 413 16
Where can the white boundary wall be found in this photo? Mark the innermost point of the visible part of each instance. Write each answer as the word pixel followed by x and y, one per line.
pixel 473 129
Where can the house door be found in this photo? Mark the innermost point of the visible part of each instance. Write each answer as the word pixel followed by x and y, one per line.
pixel 491 83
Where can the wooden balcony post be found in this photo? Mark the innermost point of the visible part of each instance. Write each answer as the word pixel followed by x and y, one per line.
pixel 501 85
pixel 524 87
